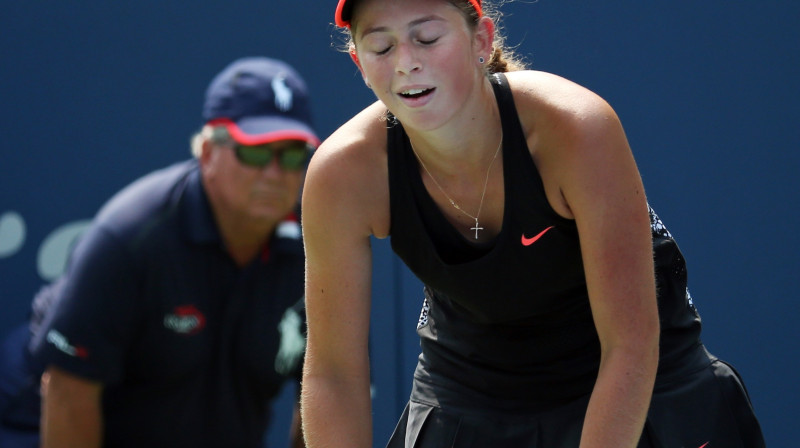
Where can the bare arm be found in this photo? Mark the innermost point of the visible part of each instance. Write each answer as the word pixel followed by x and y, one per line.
pixel 340 199
pixel 608 201
pixel 618 259
pixel 71 411
pixel 599 184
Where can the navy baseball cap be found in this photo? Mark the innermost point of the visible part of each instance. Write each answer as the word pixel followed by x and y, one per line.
pixel 260 100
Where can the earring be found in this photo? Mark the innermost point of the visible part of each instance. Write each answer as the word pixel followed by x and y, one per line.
pixel 481 60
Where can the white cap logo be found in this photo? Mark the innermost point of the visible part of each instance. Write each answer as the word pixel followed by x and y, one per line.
pixel 283 94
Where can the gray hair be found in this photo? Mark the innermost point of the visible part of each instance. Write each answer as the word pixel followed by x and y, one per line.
pixel 214 134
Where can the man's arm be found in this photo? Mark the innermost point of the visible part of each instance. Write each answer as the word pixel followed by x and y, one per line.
pixel 71 411
pixel 296 429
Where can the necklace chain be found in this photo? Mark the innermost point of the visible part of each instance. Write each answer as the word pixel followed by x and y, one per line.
pixel 476 228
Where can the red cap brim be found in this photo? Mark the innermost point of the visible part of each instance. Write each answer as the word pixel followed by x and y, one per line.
pixel 295 131
pixel 339 15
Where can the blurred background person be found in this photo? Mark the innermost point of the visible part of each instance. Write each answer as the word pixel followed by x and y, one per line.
pixel 180 314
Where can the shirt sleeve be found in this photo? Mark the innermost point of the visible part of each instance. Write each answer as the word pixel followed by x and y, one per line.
pixel 91 324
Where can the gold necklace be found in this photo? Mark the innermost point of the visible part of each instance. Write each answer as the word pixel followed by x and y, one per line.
pixel 476 228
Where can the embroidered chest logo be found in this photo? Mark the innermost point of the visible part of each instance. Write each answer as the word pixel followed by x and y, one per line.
pixel 186 319
pixel 528 241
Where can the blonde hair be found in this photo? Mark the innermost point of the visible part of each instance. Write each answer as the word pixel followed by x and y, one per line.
pixel 503 58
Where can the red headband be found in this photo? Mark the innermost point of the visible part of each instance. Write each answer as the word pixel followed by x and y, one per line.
pixel 345 9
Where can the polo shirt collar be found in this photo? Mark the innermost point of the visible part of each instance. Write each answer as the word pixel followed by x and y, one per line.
pixel 199 225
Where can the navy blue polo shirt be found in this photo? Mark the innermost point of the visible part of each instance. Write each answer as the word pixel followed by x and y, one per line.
pixel 153 307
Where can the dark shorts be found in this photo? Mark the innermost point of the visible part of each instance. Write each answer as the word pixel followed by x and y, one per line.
pixel 709 408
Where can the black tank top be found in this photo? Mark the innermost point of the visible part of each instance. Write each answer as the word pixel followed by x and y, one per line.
pixel 509 321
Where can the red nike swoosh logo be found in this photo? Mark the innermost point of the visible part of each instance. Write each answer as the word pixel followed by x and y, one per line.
pixel 529 241
pixel 703 445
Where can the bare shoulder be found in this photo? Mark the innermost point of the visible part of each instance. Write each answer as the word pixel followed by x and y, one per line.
pixel 571 132
pixel 551 103
pixel 347 178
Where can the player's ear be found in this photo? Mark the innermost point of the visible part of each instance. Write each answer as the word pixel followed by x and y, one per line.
pixel 484 37
pixel 354 57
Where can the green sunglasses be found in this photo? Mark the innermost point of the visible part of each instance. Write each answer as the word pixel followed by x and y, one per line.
pixel 292 155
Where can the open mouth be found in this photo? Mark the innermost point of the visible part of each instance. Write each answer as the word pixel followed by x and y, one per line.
pixel 415 93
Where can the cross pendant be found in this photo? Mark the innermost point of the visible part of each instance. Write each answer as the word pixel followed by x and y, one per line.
pixel 476 228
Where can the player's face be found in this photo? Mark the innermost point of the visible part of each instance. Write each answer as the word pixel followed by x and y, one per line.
pixel 419 56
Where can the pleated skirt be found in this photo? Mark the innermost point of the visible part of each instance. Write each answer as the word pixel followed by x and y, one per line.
pixel 708 408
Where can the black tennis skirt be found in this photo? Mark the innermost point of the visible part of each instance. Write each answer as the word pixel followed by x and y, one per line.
pixel 709 408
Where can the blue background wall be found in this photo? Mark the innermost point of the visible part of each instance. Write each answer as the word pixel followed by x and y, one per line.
pixel 95 94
